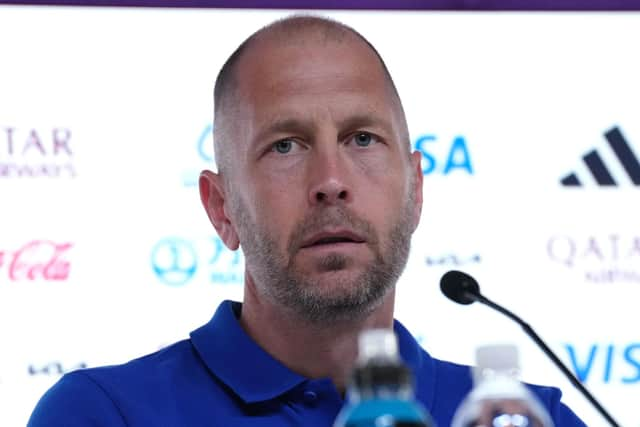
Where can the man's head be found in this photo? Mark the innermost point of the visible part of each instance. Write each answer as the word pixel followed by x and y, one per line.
pixel 316 180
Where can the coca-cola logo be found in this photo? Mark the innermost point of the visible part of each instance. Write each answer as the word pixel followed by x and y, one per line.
pixel 31 152
pixel 37 260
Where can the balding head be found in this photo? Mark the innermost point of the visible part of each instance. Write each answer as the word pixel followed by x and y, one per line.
pixel 285 32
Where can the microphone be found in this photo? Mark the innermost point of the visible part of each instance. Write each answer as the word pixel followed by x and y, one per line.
pixel 464 289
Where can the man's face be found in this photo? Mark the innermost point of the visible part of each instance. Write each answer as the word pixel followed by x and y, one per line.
pixel 323 192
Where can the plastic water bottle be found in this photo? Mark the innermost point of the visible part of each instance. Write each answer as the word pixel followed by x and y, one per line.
pixel 498 398
pixel 381 390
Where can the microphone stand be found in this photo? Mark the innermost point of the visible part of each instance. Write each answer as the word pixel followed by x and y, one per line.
pixel 532 334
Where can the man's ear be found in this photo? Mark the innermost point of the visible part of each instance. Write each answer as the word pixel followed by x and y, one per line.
pixel 416 171
pixel 213 197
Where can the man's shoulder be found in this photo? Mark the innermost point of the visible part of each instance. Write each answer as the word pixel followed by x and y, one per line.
pixel 73 401
pixel 175 357
pixel 116 392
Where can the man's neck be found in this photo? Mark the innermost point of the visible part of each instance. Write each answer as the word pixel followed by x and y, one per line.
pixel 311 350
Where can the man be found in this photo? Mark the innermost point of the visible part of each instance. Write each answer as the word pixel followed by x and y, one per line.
pixel 317 183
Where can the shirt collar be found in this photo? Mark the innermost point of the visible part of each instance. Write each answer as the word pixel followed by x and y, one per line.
pixel 232 356
pixel 254 375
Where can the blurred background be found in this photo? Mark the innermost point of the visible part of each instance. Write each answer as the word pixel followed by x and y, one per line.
pixel 527 116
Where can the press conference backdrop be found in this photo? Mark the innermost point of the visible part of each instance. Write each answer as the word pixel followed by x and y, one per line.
pixel 529 126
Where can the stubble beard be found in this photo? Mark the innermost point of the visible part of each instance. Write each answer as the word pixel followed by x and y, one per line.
pixel 278 279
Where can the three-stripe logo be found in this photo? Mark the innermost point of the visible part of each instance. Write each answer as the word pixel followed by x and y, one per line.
pixel 602 175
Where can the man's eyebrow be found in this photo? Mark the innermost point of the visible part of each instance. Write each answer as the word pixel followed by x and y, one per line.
pixel 285 125
pixel 357 121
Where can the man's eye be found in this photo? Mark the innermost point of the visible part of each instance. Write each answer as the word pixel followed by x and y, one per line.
pixel 283 146
pixel 363 139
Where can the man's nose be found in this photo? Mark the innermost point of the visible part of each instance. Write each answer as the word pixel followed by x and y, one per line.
pixel 329 179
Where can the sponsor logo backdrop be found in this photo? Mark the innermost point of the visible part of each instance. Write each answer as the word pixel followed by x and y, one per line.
pixel 528 126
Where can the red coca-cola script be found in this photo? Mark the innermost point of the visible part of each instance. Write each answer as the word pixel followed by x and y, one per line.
pixel 38 260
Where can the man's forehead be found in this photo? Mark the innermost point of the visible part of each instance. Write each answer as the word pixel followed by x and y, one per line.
pixel 304 45
pixel 274 64
pixel 302 85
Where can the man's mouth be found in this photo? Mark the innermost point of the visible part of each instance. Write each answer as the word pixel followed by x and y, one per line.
pixel 332 238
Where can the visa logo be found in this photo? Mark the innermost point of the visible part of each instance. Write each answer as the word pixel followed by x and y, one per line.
pixel 610 363
pixel 444 156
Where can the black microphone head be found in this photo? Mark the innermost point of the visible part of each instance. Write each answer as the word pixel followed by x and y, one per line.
pixel 459 287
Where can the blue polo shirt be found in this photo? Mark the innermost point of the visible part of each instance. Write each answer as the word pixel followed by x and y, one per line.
pixel 221 378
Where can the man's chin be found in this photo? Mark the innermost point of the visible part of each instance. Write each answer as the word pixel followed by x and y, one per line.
pixel 339 285
pixel 328 279
pixel 339 302
pixel 334 295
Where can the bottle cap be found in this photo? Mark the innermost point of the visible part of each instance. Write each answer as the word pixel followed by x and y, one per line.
pixel 501 357
pixel 377 344
pixel 492 360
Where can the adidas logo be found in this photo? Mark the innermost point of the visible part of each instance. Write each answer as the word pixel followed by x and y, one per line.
pixel 601 173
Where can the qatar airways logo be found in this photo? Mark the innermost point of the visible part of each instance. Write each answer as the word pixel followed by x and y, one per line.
pixel 36 153
pixel 606 258
pixel 36 260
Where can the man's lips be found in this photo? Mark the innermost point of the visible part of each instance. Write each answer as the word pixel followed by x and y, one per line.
pixel 332 237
